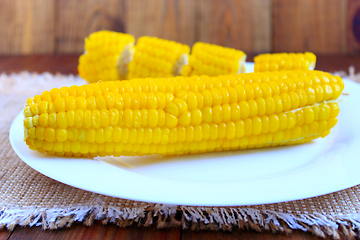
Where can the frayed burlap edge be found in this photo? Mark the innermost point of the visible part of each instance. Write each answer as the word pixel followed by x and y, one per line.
pixel 193 218
pixel 185 217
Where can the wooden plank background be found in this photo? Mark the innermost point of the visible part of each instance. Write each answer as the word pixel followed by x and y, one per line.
pixel 255 26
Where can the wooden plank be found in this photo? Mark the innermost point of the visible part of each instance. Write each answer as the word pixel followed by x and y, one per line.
pixel 240 24
pixel 76 19
pixel 27 27
pixel 335 63
pixel 5 234
pixel 251 235
pixel 353 23
pixel 168 19
pixel 67 64
pixel 96 232
pixel 307 25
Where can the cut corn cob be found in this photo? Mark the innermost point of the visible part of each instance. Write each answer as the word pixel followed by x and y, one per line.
pixel 184 114
pixel 102 52
pixel 155 57
pixel 214 60
pixel 284 61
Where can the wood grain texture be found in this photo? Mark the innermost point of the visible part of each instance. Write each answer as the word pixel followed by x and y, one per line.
pixel 255 26
pixel 101 232
pixel 168 19
pixel 5 235
pixel 76 19
pixel 353 23
pixel 251 235
pixel 307 25
pixel 67 64
pixel 27 27
pixel 96 232
pixel 240 24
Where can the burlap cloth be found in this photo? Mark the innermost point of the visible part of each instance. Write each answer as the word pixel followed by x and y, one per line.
pixel 28 198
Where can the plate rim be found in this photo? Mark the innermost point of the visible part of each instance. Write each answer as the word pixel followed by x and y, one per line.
pixel 170 200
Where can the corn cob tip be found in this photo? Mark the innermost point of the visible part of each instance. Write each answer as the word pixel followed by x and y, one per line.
pixel 311 58
pixel 125 58
pixel 180 64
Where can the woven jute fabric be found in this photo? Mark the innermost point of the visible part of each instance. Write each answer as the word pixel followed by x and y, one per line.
pixel 28 198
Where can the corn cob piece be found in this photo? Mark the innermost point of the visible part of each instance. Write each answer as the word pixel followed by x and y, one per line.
pixel 183 115
pixel 102 52
pixel 284 61
pixel 155 57
pixel 214 60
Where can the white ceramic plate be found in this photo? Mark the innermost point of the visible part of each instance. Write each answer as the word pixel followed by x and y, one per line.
pixel 219 179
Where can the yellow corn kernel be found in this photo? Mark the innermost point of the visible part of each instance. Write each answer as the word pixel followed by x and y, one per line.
pixel 49 134
pixel 70 118
pixel 61 120
pixel 171 120
pixel 61 135
pixel 185 118
pixel 39 131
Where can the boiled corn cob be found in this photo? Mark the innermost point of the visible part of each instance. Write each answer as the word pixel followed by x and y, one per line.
pixel 284 61
pixel 155 57
pixel 183 115
pixel 102 52
pixel 214 60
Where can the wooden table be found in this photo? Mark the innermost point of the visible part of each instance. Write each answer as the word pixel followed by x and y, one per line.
pixel 68 64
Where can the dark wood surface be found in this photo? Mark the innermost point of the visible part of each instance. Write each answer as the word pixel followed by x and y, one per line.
pixel 68 65
pixel 298 26
pixel 60 26
pixel 101 232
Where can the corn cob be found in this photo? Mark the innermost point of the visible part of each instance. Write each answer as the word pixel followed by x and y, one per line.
pixel 155 57
pixel 214 60
pixel 102 52
pixel 284 61
pixel 183 114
